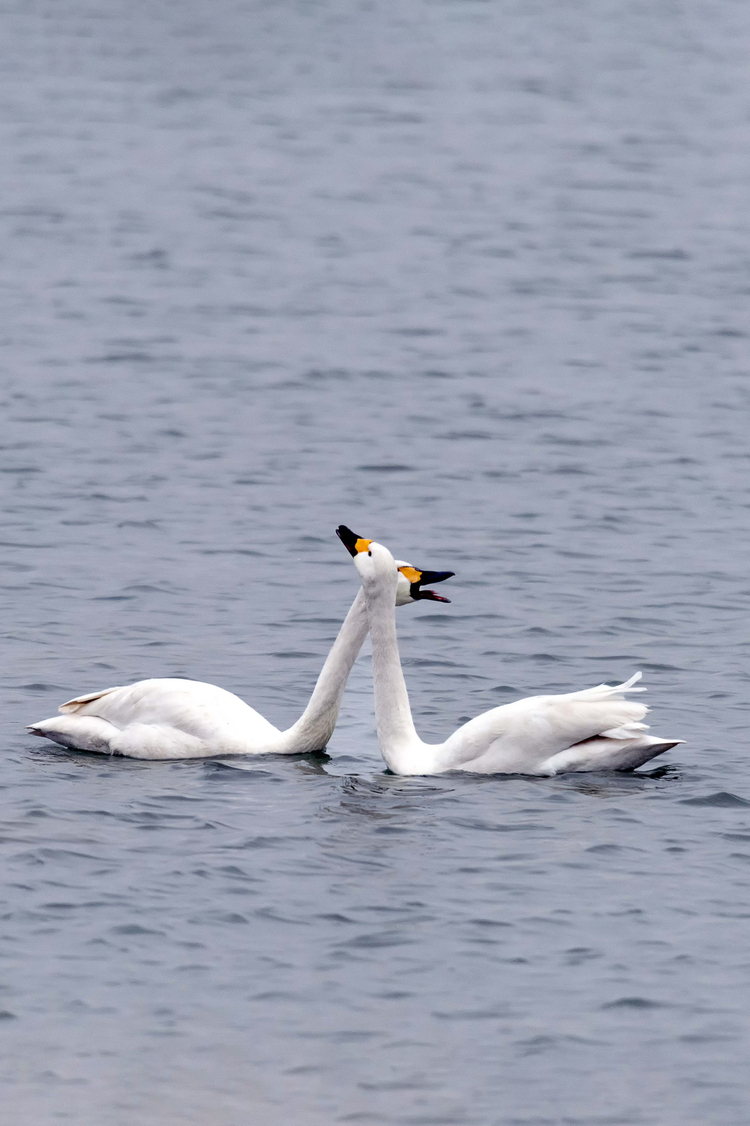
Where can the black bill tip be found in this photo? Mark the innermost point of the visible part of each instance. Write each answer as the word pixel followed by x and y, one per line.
pixel 430 577
pixel 348 538
pixel 435 576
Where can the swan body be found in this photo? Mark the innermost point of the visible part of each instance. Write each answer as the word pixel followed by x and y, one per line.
pixel 174 719
pixel 164 718
pixel 595 729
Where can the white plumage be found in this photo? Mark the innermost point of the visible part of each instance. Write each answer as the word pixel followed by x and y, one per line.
pixel 595 729
pixel 174 719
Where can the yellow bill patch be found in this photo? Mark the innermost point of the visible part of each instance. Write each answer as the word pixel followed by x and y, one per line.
pixel 411 573
pixel 362 545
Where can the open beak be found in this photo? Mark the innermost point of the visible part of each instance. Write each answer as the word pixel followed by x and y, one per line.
pixel 354 544
pixel 429 577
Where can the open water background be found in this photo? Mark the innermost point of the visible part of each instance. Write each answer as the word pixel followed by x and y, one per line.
pixel 472 278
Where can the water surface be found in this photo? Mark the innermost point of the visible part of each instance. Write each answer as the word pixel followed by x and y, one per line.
pixel 473 279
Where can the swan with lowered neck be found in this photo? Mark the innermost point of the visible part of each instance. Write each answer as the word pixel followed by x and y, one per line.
pixel 596 729
pixel 176 719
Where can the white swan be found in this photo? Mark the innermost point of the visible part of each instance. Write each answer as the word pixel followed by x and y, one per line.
pixel 596 729
pixel 175 719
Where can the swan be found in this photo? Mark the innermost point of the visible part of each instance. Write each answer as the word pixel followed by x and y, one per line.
pixel 176 719
pixel 596 729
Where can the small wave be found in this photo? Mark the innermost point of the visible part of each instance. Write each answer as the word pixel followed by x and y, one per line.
pixel 635 1003
pixel 134 929
pixel 472 1014
pixel 465 435
pixel 722 799
pixel 40 687
pixel 386 468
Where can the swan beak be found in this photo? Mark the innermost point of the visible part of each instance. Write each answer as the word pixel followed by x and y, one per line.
pixel 429 596
pixel 354 544
pixel 351 541
pixel 419 578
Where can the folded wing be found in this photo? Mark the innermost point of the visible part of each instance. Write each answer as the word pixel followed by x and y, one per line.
pixel 160 718
pixel 597 728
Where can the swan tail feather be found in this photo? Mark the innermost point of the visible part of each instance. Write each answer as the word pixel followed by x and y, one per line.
pixel 606 753
pixel 79 733
pixel 609 691
pixel 626 730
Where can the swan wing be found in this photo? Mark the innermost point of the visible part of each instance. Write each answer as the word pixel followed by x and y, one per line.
pixel 160 718
pixel 77 705
pixel 596 728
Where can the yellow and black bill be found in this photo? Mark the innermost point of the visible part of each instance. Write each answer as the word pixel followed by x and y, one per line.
pixel 418 578
pixel 351 541
pixel 354 544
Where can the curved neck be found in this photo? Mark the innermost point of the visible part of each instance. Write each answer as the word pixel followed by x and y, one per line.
pixel 396 731
pixel 315 726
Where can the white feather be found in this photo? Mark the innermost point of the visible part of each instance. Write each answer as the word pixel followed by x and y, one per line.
pixel 593 729
pixel 173 719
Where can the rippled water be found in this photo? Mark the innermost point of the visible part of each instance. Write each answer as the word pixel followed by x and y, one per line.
pixel 472 278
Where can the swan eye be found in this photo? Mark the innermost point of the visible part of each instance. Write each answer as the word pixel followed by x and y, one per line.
pixel 369 553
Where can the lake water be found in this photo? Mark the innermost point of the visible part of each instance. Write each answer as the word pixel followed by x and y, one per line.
pixel 473 279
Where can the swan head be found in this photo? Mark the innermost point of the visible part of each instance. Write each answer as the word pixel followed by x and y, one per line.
pixel 409 580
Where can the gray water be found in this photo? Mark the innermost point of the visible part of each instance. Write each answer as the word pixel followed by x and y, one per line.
pixel 472 278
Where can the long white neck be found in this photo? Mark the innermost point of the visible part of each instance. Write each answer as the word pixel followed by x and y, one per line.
pixel 396 731
pixel 314 728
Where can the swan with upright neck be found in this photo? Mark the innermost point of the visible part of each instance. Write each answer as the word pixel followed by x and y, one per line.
pixel 595 729
pixel 170 718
